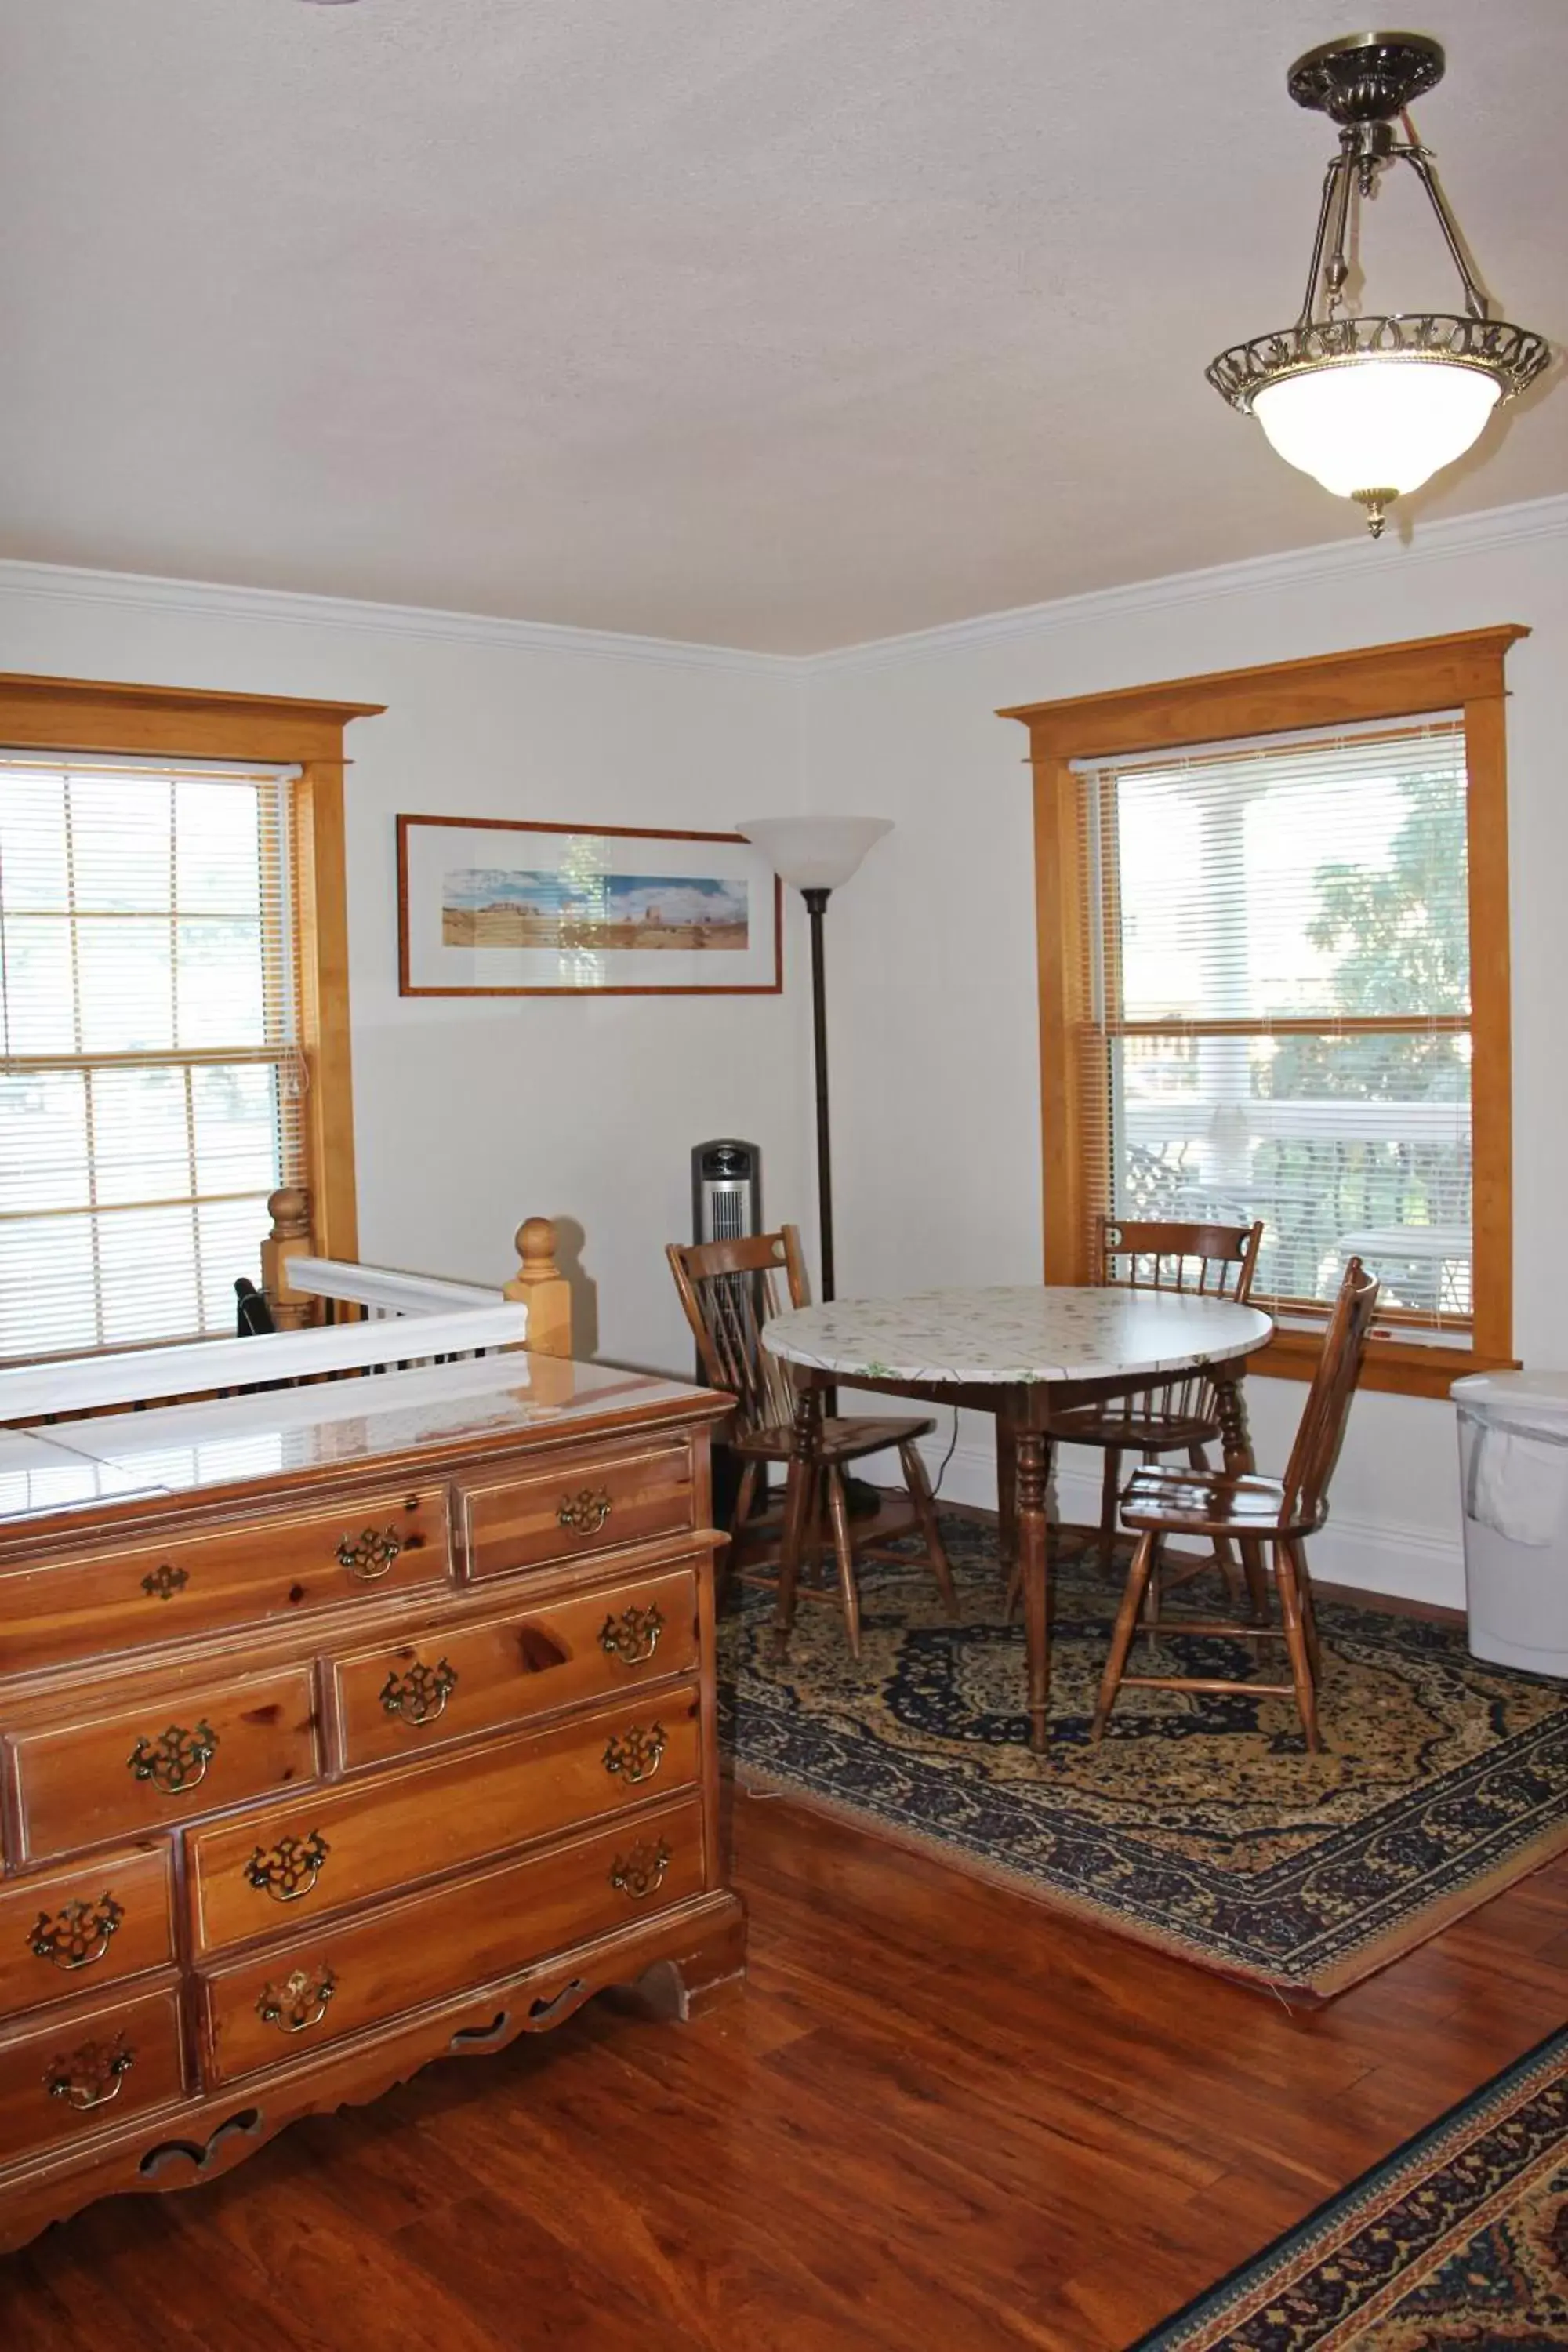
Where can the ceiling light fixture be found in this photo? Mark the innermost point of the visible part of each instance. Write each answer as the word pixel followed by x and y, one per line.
pixel 1372 404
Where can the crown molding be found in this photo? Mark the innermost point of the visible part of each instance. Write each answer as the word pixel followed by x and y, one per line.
pixel 199 600
pixel 1341 560
pixel 1326 564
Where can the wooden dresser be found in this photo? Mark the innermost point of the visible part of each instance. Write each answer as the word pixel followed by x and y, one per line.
pixel 341 1730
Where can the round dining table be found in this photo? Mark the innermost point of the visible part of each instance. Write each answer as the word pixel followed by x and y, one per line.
pixel 1026 1354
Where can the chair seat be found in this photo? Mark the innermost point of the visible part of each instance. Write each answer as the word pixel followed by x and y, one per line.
pixel 1197 1502
pixel 843 1439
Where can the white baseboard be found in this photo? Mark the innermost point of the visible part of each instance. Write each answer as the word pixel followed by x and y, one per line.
pixel 1402 1563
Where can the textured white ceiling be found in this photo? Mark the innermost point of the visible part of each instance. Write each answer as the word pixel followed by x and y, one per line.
pixel 780 323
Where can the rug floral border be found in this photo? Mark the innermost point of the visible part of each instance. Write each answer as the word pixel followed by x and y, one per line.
pixel 1348 2266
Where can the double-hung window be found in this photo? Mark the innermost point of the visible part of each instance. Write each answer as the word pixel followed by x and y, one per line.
pixel 1280 971
pixel 151 1073
pixel 1274 984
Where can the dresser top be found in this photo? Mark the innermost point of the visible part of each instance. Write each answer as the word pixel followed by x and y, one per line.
pixel 199 1449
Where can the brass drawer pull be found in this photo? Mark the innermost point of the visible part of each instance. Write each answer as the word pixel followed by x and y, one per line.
pixel 640 1873
pixel 79 1933
pixel 299 2003
pixel 370 1556
pixel 289 1872
pixel 633 1636
pixel 91 2076
pixel 176 1761
pixel 637 1753
pixel 165 1580
pixel 420 1696
pixel 585 1513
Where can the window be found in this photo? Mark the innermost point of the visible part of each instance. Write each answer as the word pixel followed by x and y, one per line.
pixel 1274 984
pixel 173 1022
pixel 151 1074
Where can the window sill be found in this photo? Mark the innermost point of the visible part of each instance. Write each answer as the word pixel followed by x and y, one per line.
pixel 1403 1367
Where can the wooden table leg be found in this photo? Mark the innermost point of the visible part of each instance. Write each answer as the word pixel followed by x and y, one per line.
pixel 1007 1490
pixel 1234 1436
pixel 1034 1469
pixel 799 1497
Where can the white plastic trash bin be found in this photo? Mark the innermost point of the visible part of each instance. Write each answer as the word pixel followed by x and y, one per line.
pixel 1514 1481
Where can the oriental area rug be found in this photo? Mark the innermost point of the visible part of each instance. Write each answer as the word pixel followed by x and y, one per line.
pixel 1201 1825
pixel 1460 2238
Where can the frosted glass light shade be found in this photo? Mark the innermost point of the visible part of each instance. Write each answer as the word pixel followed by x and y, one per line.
pixel 1376 424
pixel 814 852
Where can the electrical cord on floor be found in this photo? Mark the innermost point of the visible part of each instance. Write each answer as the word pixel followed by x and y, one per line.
pixel 947 1457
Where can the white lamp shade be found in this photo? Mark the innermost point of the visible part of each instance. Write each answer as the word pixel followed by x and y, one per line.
pixel 814 852
pixel 1376 424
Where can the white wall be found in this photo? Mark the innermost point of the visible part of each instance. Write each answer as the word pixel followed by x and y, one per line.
pixel 934 1039
pixel 471 1114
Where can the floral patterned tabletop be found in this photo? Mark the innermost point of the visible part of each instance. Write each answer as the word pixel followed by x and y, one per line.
pixel 1028 1333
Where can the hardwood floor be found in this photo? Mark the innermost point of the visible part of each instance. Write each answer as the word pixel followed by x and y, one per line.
pixel 940 2116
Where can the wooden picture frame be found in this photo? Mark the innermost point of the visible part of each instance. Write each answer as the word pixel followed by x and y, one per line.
pixel 582 911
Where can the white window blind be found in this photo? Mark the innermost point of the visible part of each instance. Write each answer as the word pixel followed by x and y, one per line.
pixel 1277 982
pixel 151 1078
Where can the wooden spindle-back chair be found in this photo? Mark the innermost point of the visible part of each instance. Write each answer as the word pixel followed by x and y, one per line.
pixel 730 1289
pixel 1171 1416
pixel 1250 1512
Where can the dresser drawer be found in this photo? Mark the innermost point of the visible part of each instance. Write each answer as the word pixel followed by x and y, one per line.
pixel 265 1874
pixel 586 1504
pixel 69 1931
pixel 401 1699
pixel 87 2069
pixel 191 1748
pixel 274 2006
pixel 81 1605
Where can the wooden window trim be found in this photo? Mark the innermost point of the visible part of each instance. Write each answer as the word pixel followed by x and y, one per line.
pixel 1464 672
pixel 169 722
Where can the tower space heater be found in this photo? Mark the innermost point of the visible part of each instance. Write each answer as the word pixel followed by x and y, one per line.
pixel 726 1203
pixel 726 1191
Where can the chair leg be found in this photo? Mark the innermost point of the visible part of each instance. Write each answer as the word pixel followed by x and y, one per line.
pixel 1257 1580
pixel 1138 1577
pixel 1295 1642
pixel 921 1496
pixel 1155 1593
pixel 843 1544
pixel 730 1557
pixel 799 1494
pixel 1308 1609
pixel 1110 1508
pixel 746 1494
pixel 1224 1554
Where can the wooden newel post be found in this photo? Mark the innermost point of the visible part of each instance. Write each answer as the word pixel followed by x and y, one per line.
pixel 543 1289
pixel 289 1237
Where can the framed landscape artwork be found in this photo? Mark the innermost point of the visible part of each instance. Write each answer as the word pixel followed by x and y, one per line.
pixel 489 907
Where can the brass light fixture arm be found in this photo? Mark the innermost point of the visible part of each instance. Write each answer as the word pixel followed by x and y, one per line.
pixel 1336 269
pixel 1420 162
pixel 1333 178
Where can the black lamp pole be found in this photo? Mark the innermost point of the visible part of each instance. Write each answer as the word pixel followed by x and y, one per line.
pixel 815 854
pixel 816 907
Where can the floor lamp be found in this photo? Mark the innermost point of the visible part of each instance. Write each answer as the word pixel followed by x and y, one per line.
pixel 818 855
